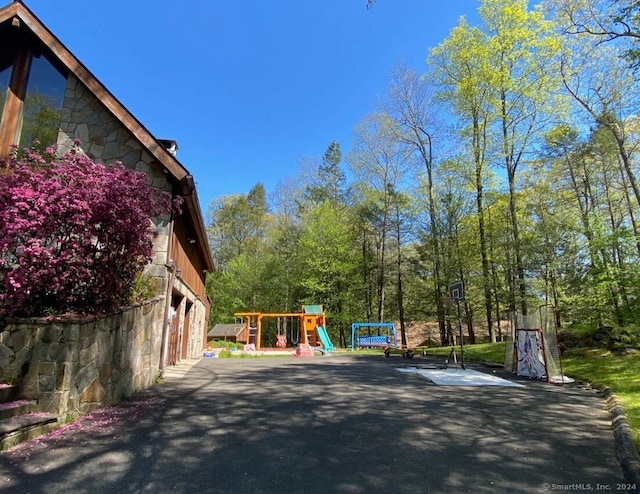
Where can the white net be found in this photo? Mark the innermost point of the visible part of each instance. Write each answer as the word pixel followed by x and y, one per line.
pixel 532 350
pixel 551 348
pixel 508 350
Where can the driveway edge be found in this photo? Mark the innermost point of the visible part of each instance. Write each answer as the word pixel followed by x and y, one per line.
pixel 626 450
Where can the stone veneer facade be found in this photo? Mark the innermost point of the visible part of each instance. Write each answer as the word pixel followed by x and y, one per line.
pixel 105 140
pixel 72 365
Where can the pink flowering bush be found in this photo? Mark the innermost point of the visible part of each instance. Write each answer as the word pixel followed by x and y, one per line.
pixel 74 234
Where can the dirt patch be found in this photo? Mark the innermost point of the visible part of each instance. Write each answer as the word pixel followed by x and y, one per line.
pixel 420 333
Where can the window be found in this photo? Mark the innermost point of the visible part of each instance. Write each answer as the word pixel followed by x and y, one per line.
pixel 42 104
pixel 5 75
pixel 7 56
pixel 32 91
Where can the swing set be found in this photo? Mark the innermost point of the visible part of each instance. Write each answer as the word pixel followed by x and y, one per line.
pixel 294 332
pixel 308 330
pixel 370 340
pixel 388 342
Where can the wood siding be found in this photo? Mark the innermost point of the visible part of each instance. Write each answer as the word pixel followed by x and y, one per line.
pixel 187 259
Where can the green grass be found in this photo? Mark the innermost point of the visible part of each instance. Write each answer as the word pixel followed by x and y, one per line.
pixel 225 344
pixel 621 373
pixel 361 351
pixel 242 355
pixel 484 352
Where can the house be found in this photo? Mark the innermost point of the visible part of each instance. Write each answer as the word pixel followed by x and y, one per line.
pixel 52 96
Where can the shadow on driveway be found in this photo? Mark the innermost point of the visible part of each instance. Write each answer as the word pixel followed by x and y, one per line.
pixel 342 424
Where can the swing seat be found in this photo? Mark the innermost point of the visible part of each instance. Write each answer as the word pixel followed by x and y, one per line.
pixel 369 340
pixel 281 341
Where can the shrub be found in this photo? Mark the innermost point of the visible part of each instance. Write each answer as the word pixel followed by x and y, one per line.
pixel 225 344
pixel 145 287
pixel 74 234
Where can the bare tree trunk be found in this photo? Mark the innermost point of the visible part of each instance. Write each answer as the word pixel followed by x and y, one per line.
pixel 382 260
pixel 511 163
pixel 517 250
pixel 403 331
pixel 494 281
pixel 468 310
pixel 486 276
pixel 365 276
pixel 630 209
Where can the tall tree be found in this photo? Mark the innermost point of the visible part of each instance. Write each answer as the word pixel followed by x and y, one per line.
pixel 461 68
pixel 411 104
pixel 329 182
pixel 381 164
pixel 604 88
pixel 238 224
pixel 523 48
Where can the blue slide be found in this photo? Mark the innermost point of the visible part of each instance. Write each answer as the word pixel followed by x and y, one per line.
pixel 324 339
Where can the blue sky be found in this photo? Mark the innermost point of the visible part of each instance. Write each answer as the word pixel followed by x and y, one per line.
pixel 249 89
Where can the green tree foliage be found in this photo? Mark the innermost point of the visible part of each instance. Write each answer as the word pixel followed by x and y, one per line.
pixel 41 118
pixel 610 21
pixel 329 184
pixel 509 162
pixel 325 253
pixel 238 224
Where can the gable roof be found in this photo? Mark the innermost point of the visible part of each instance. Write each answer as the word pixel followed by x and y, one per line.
pixel 226 330
pixel 21 16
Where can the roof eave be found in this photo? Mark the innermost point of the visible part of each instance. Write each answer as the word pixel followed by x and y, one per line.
pixel 179 174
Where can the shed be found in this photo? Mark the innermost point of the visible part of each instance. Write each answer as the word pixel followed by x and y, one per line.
pixel 227 332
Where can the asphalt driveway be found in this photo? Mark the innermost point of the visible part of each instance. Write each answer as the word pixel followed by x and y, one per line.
pixel 340 424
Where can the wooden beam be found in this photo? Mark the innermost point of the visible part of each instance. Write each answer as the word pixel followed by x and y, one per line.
pixel 12 112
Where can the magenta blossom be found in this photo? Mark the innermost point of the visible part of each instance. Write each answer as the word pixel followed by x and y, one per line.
pixel 74 234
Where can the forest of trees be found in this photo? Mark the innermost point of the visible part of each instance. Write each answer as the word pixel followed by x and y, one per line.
pixel 508 162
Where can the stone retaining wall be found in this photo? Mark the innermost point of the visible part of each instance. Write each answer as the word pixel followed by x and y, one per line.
pixel 73 365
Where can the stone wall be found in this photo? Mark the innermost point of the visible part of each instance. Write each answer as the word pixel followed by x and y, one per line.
pixel 74 365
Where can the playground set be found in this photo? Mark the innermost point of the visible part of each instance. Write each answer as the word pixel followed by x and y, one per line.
pixel 389 341
pixel 310 333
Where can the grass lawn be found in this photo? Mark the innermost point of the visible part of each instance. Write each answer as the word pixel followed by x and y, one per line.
pixel 621 373
pixel 600 367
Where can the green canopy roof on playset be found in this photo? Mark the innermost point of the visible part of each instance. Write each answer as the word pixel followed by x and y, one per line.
pixel 315 310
